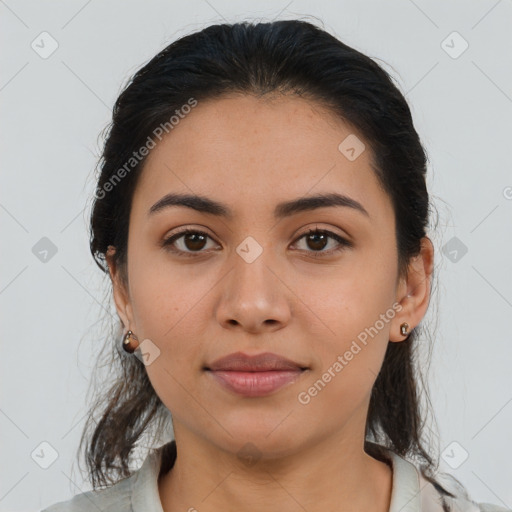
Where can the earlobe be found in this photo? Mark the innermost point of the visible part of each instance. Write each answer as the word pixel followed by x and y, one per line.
pixel 119 291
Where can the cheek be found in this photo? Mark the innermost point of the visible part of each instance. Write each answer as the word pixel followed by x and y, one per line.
pixel 163 294
pixel 349 354
pixel 349 315
pixel 169 306
pixel 343 304
pixel 169 320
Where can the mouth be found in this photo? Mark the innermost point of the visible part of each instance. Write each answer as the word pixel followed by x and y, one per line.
pixel 255 376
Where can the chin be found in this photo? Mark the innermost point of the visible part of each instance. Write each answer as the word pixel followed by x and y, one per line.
pixel 266 442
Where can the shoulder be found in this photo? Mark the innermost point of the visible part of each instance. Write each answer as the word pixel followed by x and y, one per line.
pixel 414 491
pixel 446 493
pixel 489 507
pixel 136 493
pixel 111 499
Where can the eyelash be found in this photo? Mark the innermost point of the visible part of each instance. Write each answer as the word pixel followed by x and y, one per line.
pixel 167 243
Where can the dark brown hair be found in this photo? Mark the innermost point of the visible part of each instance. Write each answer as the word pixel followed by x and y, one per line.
pixel 282 57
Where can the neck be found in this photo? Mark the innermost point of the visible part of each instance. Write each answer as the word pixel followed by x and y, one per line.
pixel 333 474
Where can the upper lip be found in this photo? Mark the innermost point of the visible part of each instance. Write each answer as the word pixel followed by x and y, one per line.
pixel 266 361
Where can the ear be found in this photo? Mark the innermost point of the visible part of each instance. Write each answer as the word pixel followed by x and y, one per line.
pixel 413 292
pixel 120 292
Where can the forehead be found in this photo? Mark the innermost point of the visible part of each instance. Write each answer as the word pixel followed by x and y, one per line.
pixel 252 153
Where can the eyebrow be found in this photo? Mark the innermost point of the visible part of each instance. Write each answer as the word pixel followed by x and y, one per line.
pixel 286 209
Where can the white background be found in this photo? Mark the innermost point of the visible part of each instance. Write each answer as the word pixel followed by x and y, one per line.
pixel 53 110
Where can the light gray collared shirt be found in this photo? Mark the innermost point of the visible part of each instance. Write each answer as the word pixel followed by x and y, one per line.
pixel 411 492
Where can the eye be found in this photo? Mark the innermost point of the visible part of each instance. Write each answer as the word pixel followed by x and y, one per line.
pixel 318 240
pixel 193 241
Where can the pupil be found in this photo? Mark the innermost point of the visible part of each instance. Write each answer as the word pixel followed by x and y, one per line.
pixel 314 238
pixel 196 236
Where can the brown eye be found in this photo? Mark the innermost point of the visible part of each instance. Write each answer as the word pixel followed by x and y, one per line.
pixel 318 239
pixel 194 241
pixel 191 241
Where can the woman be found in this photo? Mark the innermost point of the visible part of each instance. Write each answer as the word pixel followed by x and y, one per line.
pixel 262 213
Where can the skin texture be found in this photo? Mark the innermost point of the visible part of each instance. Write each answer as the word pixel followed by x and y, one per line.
pixel 250 154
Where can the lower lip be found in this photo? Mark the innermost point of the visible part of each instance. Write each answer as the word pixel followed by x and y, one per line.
pixel 255 383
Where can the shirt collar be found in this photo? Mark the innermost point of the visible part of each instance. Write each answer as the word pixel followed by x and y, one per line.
pixel 405 491
pixel 410 491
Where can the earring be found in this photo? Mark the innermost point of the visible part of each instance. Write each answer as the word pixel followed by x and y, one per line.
pixel 403 328
pixel 130 342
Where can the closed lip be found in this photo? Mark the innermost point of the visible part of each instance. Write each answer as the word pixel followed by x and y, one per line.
pixel 264 362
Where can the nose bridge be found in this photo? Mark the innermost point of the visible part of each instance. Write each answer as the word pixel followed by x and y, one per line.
pixel 251 267
pixel 252 294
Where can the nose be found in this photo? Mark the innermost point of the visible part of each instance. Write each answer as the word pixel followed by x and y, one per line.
pixel 254 297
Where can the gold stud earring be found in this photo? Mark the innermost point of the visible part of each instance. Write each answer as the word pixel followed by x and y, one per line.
pixel 403 328
pixel 130 342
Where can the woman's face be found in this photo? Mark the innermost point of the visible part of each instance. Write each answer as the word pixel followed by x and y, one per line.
pixel 255 283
